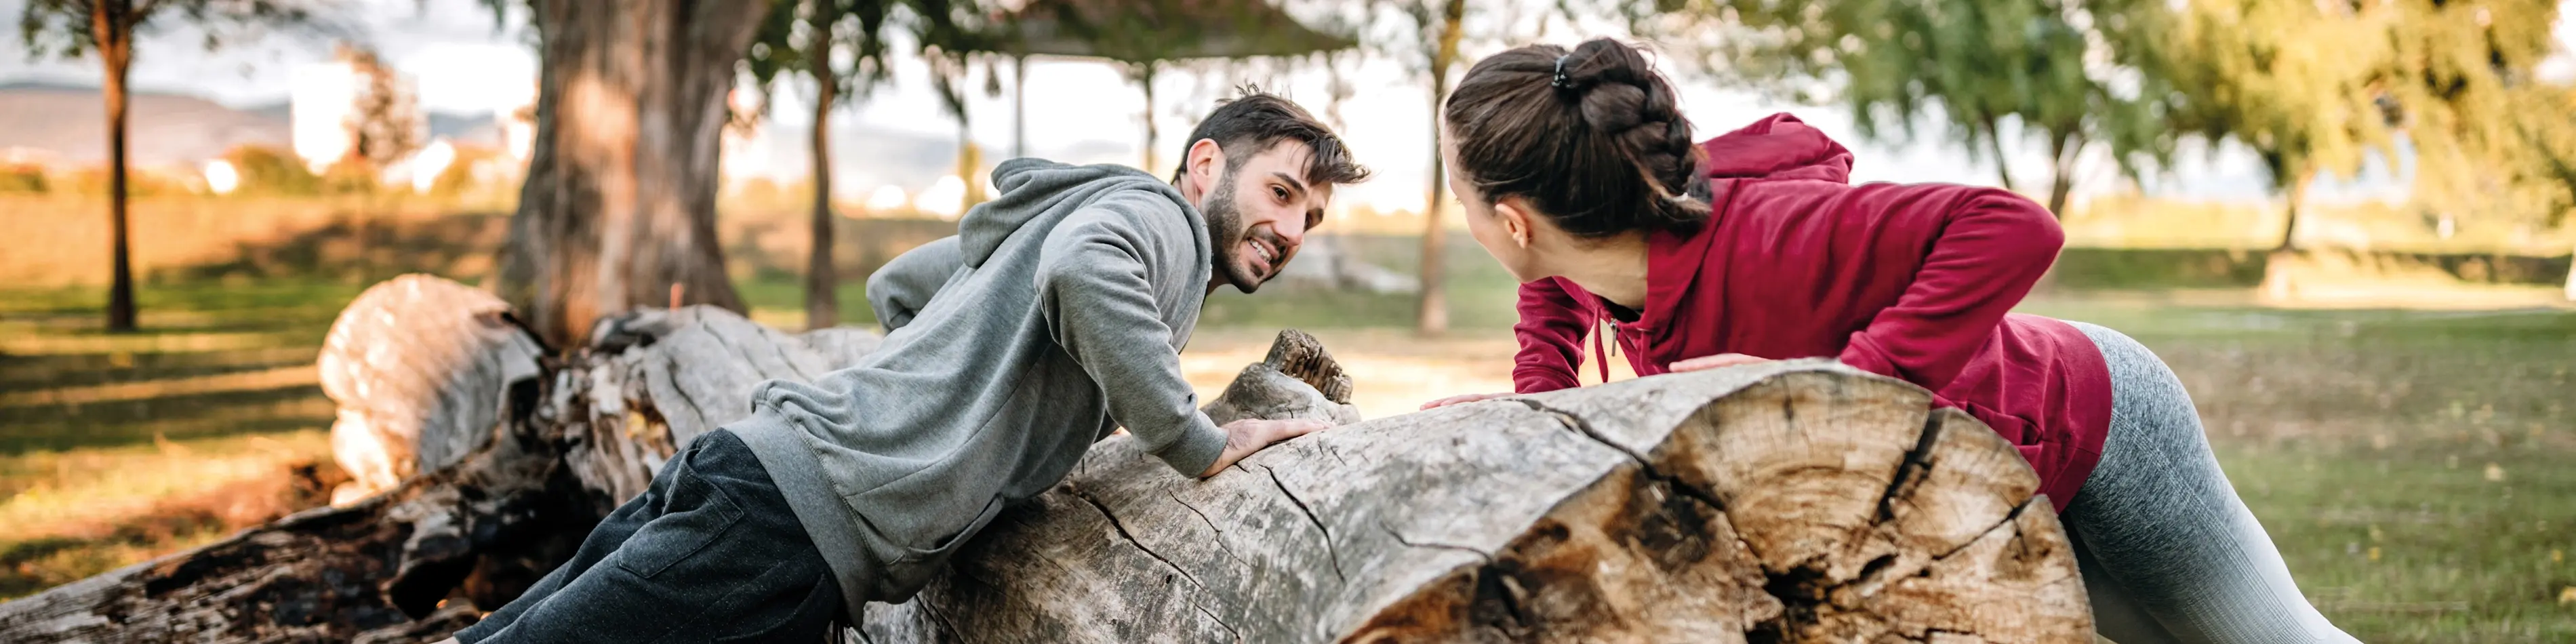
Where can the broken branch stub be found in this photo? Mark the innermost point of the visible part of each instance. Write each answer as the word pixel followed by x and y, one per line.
pixel 1298 380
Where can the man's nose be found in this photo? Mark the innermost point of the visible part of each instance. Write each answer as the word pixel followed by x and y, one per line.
pixel 1291 231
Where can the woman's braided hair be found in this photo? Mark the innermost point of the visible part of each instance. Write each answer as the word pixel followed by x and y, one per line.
pixel 1593 138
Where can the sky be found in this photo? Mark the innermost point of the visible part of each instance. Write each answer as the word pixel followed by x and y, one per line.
pixel 465 61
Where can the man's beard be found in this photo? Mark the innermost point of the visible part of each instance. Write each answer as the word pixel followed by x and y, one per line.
pixel 1227 233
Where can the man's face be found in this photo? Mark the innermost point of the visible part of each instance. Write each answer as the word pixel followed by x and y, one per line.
pixel 1258 213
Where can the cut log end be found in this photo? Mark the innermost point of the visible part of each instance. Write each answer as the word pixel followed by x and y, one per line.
pixel 1790 511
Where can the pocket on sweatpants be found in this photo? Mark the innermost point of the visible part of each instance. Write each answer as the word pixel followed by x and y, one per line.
pixel 694 515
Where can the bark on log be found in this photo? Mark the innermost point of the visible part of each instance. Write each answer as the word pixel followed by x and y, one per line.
pixel 1787 502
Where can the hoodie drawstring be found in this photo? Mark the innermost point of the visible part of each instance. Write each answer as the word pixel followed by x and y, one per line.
pixel 1600 356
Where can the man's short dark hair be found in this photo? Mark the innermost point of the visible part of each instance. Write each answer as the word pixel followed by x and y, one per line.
pixel 1252 122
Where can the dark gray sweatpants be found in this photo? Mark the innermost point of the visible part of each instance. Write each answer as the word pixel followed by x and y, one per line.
pixel 2168 553
pixel 709 552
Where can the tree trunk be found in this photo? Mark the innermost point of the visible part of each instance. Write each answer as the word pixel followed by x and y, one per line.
pixel 618 210
pixel 1020 108
pixel 1795 501
pixel 2296 193
pixel 112 21
pixel 822 282
pixel 1995 146
pixel 1145 77
pixel 2062 154
pixel 1431 311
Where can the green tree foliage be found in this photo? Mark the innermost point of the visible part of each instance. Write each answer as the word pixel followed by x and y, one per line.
pixel 2303 84
pixel 2491 142
pixel 23 178
pixel 271 171
pixel 2050 65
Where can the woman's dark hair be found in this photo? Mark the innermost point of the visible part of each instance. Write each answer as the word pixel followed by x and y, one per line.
pixel 1593 138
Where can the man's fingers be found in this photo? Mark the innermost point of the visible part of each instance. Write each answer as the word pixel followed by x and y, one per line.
pixel 1298 427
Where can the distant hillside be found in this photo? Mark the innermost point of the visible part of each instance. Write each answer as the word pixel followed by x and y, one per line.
pixel 176 129
pixel 167 128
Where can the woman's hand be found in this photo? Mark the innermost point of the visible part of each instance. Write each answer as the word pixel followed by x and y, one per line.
pixel 1713 362
pixel 1454 400
pixel 1243 437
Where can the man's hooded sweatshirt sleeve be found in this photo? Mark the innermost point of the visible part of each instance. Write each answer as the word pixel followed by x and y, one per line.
pixel 1054 315
pixel 1094 283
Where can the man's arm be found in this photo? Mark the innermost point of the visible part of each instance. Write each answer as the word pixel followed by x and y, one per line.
pixel 1096 286
pixel 900 289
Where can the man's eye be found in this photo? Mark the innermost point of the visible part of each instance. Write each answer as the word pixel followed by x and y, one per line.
pixel 1279 193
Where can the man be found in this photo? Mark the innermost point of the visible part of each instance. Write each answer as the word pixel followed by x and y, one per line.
pixel 1055 315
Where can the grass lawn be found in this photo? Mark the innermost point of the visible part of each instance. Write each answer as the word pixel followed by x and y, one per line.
pixel 2412 465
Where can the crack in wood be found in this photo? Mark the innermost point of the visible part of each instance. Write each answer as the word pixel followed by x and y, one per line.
pixel 1911 471
pixel 1211 524
pixel 1211 615
pixel 931 609
pixel 671 371
pixel 1330 552
pixel 1584 428
pixel 2009 519
pixel 730 347
pixel 1399 538
pixel 1131 538
pixel 778 345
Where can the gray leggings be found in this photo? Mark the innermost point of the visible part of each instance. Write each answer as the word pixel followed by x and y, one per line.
pixel 2168 553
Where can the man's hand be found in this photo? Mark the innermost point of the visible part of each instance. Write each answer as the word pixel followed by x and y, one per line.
pixel 1243 437
pixel 1460 400
pixel 1715 361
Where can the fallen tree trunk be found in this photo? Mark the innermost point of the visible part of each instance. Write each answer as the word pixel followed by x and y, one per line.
pixel 1787 502
pixel 1792 502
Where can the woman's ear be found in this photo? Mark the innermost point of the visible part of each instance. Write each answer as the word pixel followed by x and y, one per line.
pixel 1513 213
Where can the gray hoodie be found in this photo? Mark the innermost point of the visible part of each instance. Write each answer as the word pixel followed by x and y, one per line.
pixel 1055 315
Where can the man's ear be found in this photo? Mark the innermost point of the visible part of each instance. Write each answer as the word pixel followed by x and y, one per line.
pixel 1513 213
pixel 1206 160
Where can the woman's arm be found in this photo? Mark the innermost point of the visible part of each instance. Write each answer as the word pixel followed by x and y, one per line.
pixel 1551 332
pixel 1990 247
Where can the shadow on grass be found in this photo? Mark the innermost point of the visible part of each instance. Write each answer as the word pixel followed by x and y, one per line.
pixel 70 427
pixel 73 552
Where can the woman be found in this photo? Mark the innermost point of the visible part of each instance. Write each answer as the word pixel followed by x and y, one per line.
pixel 1578 173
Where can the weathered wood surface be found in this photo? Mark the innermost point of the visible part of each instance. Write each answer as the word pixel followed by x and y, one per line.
pixel 418 392
pixel 565 448
pixel 1787 502
pixel 1790 502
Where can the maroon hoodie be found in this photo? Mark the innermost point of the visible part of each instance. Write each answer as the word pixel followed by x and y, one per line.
pixel 1913 281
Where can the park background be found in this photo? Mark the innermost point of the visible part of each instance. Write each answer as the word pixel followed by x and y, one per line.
pixel 2385 376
